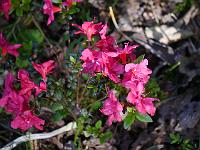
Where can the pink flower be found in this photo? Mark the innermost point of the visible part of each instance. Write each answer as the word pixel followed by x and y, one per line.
pixel 112 108
pixel 92 61
pixel 137 72
pixel 143 105
pixel 11 100
pixel 18 103
pixel 89 29
pixel 45 68
pixel 112 68
pixel 8 48
pixel 14 103
pixel 27 120
pixel 50 9
pixel 136 87
pixel 8 84
pixel 107 45
pixel 5 6
pixel 42 87
pixel 103 31
pixel 26 84
pixel 69 3
pixel 126 51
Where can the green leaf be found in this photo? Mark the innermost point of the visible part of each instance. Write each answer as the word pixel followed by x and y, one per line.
pixel 143 118
pixel 96 105
pixel 57 1
pixel 129 119
pixel 72 11
pixel 85 76
pixel 98 124
pixel 90 86
pixel 129 109
pixel 59 115
pixel 99 75
pixel 21 63
pixel 72 59
pixel 33 35
pixel 19 11
pixel 56 106
pixel 174 138
pixel 139 59
pixel 58 94
pixel 26 1
pixel 26 7
pixel 105 136
pixel 1 110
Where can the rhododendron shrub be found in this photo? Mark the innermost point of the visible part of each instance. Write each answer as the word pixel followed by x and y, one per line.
pixel 120 66
pixel 57 71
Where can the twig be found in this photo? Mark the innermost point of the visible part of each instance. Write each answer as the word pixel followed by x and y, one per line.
pixel 116 25
pixel 39 136
pixel 39 28
pixel 13 28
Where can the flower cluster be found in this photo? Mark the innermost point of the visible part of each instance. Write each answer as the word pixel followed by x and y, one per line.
pixel 106 57
pixel 17 102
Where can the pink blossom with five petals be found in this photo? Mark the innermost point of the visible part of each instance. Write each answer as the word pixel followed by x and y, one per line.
pixel 45 68
pixel 89 28
pixel 112 108
pixel 92 61
pixel 137 72
pixel 127 50
pixel 112 68
pixel 142 104
pixel 8 48
pixel 26 84
pixel 27 120
pixel 50 9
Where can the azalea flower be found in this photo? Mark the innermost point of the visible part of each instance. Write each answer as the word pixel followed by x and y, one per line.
pixel 126 51
pixel 26 84
pixel 50 9
pixel 8 84
pixel 69 3
pixel 17 103
pixel 92 61
pixel 42 87
pixel 107 45
pixel 103 31
pixel 89 28
pixel 27 120
pixel 14 103
pixel 11 100
pixel 136 87
pixel 5 6
pixel 142 104
pixel 137 72
pixel 112 68
pixel 8 48
pixel 112 108
pixel 45 68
